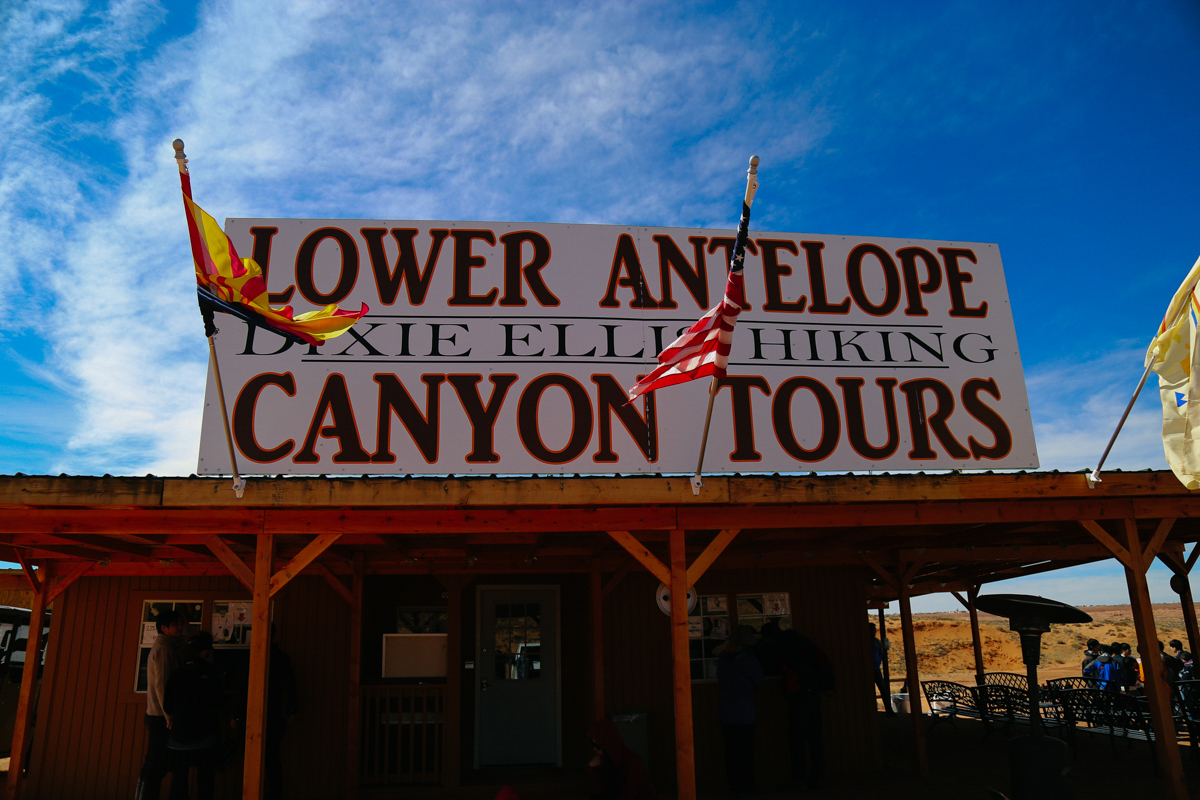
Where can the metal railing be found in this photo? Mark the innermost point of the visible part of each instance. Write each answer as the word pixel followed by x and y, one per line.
pixel 401 734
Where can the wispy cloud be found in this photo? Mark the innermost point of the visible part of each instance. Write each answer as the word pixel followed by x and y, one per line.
pixel 1076 406
pixel 326 109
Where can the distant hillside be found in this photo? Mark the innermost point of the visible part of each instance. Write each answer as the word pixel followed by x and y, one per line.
pixel 944 641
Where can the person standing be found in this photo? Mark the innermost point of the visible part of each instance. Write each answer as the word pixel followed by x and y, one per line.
pixel 282 705
pixel 739 675
pixel 877 656
pixel 807 674
pixel 1090 657
pixel 163 660
pixel 193 701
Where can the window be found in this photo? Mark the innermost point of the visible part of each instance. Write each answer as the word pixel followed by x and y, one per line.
pixel 518 641
pixel 151 609
pixel 420 620
pixel 709 631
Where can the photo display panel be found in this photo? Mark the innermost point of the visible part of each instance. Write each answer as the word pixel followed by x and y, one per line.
pixel 507 348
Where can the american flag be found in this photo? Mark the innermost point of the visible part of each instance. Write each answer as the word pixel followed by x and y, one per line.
pixel 704 348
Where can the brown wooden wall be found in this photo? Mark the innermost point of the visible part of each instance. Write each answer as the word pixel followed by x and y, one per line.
pixel 90 738
pixel 89 741
pixel 827 606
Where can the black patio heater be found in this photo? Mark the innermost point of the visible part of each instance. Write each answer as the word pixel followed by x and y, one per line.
pixel 1040 764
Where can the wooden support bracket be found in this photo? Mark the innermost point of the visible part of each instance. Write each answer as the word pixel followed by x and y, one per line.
pixel 64 583
pixel 888 577
pixel 231 560
pixel 301 560
pixel 30 574
pixel 644 556
pixel 710 554
pixel 334 581
pixel 616 579
pixel 1111 544
pixel 1156 542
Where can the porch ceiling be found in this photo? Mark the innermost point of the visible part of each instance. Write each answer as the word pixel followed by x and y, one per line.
pixel 960 529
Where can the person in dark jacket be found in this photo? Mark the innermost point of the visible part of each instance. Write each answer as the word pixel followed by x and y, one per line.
pixel 807 674
pixel 282 705
pixel 1089 656
pixel 739 675
pixel 616 771
pixel 193 700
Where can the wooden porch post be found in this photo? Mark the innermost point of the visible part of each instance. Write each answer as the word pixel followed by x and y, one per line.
pixel 912 678
pixel 353 727
pixel 887 670
pixel 1157 690
pixel 976 639
pixel 27 700
pixel 597 596
pixel 685 757
pixel 1183 569
pixel 452 705
pixel 260 655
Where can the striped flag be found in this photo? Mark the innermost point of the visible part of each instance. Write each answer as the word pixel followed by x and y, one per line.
pixel 233 285
pixel 703 349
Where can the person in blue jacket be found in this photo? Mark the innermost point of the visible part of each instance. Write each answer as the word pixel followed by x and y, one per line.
pixel 739 675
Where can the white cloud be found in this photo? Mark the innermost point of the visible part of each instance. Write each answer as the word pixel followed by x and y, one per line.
pixel 1076 406
pixel 327 109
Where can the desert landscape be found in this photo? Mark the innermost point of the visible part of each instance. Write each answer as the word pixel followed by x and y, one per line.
pixel 944 642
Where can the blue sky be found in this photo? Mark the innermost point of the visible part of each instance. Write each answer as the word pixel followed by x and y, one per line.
pixel 1065 132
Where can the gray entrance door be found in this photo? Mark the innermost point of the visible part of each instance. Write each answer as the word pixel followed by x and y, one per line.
pixel 517 678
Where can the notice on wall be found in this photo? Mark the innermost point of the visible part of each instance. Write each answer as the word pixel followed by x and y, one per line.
pixel 507 348
pixel 776 605
pixel 149 633
pixel 695 627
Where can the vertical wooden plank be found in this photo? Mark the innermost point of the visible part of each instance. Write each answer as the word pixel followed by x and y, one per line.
pixel 118 672
pixel 260 654
pixel 57 716
pixel 84 731
pixel 913 679
pixel 27 698
pixel 1158 693
pixel 1189 618
pixel 52 681
pixel 685 758
pixel 597 597
pixel 353 701
pixel 452 727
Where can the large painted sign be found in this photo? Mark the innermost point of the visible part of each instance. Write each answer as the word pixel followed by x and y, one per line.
pixel 506 348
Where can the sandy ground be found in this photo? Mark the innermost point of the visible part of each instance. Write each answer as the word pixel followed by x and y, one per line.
pixel 944 642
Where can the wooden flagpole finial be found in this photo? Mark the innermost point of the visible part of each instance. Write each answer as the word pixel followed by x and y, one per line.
pixel 753 159
pixel 180 156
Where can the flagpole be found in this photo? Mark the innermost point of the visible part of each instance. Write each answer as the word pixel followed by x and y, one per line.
pixel 734 261
pixel 1093 477
pixel 239 483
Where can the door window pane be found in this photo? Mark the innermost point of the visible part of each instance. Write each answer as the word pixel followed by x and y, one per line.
pixel 518 641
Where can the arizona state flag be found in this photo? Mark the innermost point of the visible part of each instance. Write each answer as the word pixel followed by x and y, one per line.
pixel 1175 356
pixel 233 285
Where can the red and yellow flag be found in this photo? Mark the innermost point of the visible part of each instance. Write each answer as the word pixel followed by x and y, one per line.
pixel 239 282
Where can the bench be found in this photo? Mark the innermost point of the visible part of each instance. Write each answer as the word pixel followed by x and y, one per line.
pixel 949 700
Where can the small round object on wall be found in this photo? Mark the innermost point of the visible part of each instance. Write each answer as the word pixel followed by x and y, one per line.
pixel 1179 583
pixel 663 596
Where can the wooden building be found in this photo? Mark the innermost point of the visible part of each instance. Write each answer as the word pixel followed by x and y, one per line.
pixel 542 592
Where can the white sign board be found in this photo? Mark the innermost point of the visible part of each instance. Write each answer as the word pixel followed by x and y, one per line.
pixel 505 348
